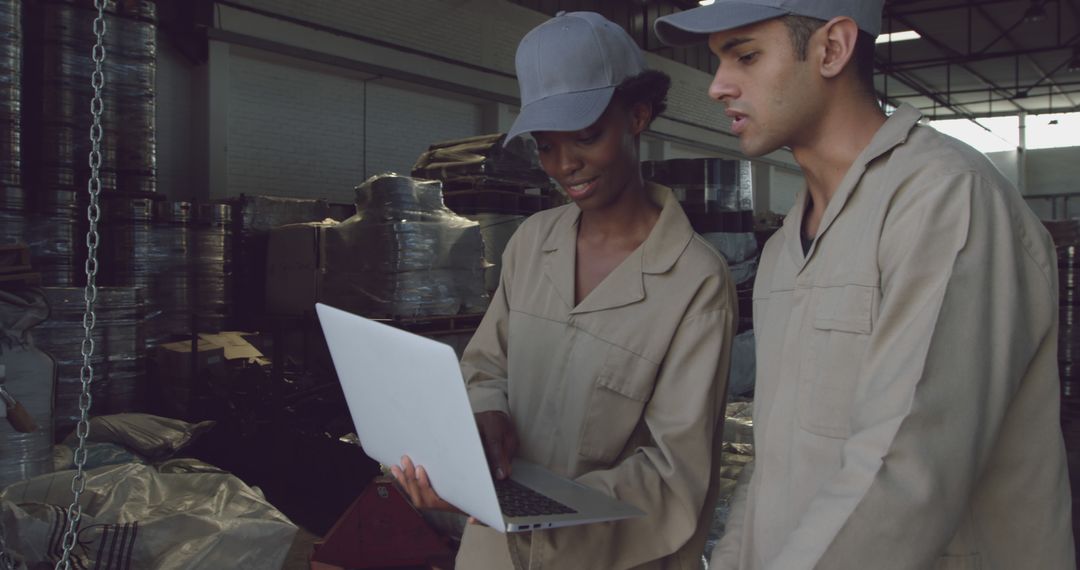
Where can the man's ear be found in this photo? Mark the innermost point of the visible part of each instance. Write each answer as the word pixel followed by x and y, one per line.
pixel 836 44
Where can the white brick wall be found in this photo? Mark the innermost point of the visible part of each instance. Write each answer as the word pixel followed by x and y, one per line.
pixel 293 131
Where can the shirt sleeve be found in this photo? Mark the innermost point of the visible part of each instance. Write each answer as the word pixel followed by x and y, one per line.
pixel 669 480
pixel 964 309
pixel 483 363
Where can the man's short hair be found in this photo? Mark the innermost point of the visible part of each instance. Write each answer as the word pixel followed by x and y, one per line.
pixel 800 28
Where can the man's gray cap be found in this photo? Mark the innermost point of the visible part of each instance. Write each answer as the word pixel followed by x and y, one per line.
pixel 694 26
pixel 568 68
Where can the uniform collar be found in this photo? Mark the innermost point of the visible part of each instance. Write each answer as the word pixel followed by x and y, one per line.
pixel 658 254
pixel 892 134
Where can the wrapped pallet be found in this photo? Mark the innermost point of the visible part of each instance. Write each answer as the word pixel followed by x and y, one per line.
pixel 404 254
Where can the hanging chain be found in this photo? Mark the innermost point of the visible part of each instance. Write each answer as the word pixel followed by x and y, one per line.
pixel 93 214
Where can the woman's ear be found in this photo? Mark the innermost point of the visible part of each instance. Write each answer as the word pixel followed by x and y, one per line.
pixel 640 117
pixel 839 37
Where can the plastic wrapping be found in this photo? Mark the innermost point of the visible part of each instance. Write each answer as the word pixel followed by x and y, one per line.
pixel 740 250
pixel 135 516
pixel 119 353
pixel 63 52
pixel 404 254
pixel 11 42
pixel 496 229
pixel 13 215
pixel 253 217
pixel 153 437
pixel 705 184
pixel 162 247
pixel 741 378
pixel 28 377
pixel 737 452
pixel 53 233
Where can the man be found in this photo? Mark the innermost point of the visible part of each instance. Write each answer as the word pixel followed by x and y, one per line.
pixel 906 318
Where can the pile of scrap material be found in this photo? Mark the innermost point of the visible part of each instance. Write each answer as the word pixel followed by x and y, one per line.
pixel 404 254
pixel 482 158
pixel 481 176
pixel 738 452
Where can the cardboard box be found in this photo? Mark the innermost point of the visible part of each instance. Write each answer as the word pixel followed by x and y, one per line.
pixel 295 268
pixel 174 383
pixel 174 358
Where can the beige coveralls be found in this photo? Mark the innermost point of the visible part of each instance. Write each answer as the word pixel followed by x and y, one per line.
pixel 624 392
pixel 907 381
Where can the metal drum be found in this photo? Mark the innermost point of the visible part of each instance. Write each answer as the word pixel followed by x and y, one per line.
pixel 12 215
pixel 1069 328
pixel 213 266
pixel 28 377
pixel 56 236
pixel 129 97
pixel 119 356
pixel 11 42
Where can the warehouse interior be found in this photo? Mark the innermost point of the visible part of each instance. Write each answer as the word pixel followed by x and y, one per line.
pixel 259 156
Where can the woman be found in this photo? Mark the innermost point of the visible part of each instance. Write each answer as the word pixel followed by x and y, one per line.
pixel 604 353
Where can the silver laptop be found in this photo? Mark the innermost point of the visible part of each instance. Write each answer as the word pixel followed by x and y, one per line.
pixel 407 397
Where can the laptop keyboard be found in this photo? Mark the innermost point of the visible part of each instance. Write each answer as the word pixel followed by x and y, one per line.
pixel 518 500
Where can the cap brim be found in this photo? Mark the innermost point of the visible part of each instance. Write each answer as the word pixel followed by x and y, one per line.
pixel 565 112
pixel 694 26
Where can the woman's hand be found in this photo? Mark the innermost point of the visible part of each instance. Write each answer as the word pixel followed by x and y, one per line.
pixel 500 441
pixel 414 481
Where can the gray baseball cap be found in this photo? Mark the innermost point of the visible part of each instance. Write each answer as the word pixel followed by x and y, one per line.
pixel 694 25
pixel 568 68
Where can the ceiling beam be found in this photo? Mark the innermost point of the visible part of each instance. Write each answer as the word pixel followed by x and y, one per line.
pixel 948 50
pixel 1027 87
pixel 890 10
pixel 1008 35
pixel 927 92
pixel 915 64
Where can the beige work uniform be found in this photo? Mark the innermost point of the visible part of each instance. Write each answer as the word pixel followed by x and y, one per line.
pixel 907 382
pixel 624 392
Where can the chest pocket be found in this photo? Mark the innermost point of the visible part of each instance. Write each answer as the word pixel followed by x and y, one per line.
pixel 840 330
pixel 616 403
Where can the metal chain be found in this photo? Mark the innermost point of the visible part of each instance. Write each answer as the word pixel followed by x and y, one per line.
pixel 93 214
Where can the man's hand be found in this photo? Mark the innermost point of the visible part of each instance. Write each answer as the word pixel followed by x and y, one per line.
pixel 414 481
pixel 500 441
